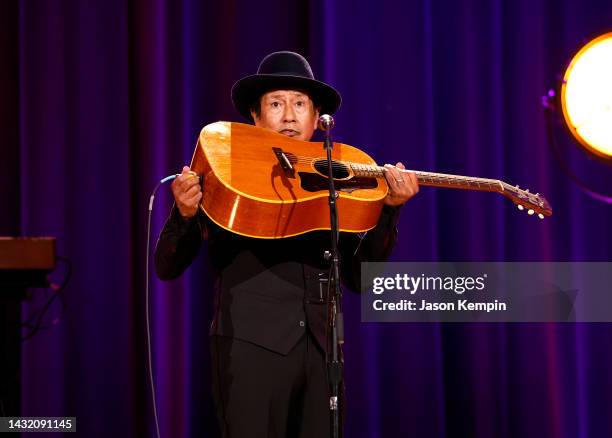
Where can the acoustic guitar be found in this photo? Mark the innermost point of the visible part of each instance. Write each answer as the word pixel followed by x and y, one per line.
pixel 263 184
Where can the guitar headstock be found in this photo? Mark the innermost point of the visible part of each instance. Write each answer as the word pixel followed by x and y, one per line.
pixel 532 203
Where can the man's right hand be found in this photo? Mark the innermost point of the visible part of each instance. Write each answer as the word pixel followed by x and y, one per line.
pixel 187 192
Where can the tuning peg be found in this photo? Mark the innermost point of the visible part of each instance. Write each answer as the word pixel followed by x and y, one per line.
pixel 520 207
pixel 540 215
pixel 526 190
pixel 530 212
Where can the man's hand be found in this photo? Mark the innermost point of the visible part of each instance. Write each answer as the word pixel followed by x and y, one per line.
pixel 402 185
pixel 187 192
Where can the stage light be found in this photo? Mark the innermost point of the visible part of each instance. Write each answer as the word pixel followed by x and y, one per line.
pixel 586 96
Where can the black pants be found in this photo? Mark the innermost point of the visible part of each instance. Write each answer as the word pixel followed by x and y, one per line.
pixel 262 394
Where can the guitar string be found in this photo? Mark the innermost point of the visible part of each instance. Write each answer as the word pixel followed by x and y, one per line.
pixel 423 176
pixel 337 164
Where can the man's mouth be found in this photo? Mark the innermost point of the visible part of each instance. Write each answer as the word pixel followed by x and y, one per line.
pixel 289 132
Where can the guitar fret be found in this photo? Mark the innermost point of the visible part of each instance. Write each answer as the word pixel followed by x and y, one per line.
pixel 458 181
pixel 431 178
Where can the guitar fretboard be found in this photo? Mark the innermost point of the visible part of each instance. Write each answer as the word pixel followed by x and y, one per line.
pixel 435 179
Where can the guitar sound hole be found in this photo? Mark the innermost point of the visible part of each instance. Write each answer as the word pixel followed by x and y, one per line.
pixel 313 182
pixel 339 170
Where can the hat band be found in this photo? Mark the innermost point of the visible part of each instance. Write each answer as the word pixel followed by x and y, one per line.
pixel 291 74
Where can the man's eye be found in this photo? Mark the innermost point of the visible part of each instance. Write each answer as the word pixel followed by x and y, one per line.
pixel 275 104
pixel 299 103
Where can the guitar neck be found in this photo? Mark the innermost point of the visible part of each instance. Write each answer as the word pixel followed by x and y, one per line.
pixel 436 179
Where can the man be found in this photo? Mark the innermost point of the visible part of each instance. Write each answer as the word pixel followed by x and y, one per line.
pixel 268 335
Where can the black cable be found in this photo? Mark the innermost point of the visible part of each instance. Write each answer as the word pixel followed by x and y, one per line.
pixel 147 316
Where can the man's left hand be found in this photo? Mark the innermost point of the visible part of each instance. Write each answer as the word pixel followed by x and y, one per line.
pixel 402 185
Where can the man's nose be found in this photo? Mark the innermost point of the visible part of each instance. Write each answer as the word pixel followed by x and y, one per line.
pixel 289 115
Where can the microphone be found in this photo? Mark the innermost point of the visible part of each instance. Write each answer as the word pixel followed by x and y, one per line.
pixel 326 122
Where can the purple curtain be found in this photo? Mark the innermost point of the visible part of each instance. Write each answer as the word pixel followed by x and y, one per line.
pixel 101 99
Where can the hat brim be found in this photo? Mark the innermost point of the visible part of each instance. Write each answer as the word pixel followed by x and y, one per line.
pixel 247 90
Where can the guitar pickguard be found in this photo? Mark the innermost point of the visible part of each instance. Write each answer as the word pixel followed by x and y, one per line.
pixel 313 182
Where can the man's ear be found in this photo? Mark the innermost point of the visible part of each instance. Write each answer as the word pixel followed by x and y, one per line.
pixel 254 116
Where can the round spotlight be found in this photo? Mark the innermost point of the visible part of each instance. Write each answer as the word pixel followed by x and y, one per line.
pixel 586 96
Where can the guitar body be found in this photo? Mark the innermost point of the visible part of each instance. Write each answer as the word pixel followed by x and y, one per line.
pixel 259 183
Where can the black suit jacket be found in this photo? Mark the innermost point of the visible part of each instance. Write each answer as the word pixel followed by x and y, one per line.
pixel 270 291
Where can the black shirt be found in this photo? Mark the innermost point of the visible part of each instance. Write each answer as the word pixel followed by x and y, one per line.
pixel 269 291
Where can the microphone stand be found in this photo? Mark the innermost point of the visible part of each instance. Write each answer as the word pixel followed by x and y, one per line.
pixel 334 310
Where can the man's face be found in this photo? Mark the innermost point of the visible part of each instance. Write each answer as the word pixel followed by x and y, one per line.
pixel 289 112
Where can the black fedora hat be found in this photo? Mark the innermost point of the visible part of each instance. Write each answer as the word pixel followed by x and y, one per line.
pixel 283 70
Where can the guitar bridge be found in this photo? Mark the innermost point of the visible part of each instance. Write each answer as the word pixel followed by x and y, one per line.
pixel 284 162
